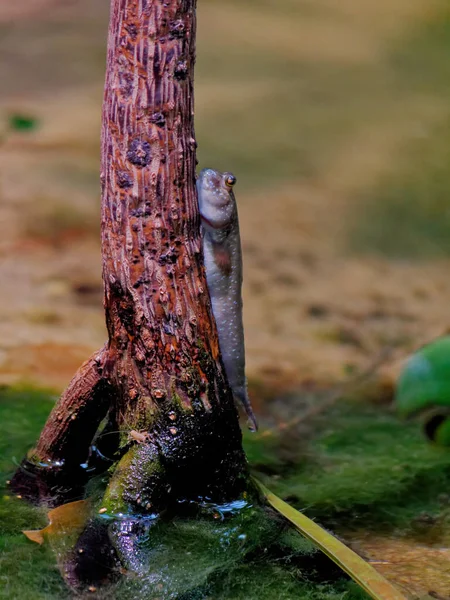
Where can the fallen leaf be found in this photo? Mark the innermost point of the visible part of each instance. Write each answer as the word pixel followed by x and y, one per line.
pixel 67 518
pixel 374 584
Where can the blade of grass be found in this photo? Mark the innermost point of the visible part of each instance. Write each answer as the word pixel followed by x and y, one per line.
pixel 360 571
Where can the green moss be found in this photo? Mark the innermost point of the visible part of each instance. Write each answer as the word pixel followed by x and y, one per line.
pixel 363 467
pixel 180 555
pixel 177 402
pixel 27 571
pixel 246 556
pixel 357 466
pixel 23 412
pixel 266 582
pixel 263 452
pixel 294 544
pixel 114 499
pixel 128 489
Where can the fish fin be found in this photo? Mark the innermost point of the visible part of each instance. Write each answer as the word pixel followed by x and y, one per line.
pixel 243 398
pixel 222 258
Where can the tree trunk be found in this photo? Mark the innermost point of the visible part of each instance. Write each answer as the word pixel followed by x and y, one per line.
pixel 159 378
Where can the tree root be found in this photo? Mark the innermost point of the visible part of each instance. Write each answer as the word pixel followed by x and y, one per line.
pixel 55 470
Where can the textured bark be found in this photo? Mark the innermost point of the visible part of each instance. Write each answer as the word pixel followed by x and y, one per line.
pixel 156 300
pixel 73 422
pixel 160 373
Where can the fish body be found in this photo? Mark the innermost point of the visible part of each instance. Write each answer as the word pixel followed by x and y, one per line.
pixel 223 265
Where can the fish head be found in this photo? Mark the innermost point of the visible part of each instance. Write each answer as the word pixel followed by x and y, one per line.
pixel 215 198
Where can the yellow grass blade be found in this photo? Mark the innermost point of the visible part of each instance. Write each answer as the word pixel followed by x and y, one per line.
pixel 366 576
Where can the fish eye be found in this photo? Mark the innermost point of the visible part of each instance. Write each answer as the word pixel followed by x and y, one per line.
pixel 230 180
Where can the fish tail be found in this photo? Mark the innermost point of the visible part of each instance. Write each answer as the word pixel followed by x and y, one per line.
pixel 242 396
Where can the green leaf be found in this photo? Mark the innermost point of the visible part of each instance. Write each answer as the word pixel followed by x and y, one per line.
pixel 425 380
pixel 22 122
pixel 440 434
pixel 361 572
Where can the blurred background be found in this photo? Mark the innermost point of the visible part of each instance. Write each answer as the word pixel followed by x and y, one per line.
pixel 335 117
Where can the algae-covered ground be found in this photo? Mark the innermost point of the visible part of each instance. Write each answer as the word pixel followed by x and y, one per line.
pixel 356 468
